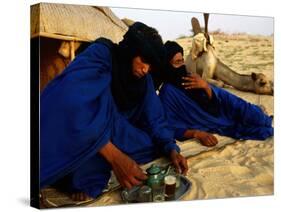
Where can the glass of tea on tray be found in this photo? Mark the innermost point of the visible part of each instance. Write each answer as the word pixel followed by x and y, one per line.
pixel 170 182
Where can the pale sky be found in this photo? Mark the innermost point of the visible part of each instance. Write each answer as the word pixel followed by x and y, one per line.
pixel 172 24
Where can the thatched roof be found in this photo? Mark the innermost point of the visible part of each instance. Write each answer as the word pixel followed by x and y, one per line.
pixel 75 22
pixel 128 21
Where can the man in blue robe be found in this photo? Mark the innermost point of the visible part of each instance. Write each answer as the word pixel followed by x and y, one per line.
pixel 196 109
pixel 102 114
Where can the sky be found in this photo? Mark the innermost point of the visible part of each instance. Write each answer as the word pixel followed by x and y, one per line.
pixel 172 24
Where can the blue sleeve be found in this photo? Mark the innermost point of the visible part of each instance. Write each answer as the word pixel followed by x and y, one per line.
pixel 155 118
pixel 76 111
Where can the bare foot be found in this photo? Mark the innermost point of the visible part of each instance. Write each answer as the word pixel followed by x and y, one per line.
pixel 80 196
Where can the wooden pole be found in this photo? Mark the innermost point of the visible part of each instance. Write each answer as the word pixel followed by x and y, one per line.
pixel 206 19
pixel 72 50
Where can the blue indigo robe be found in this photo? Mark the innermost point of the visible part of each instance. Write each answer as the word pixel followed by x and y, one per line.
pixel 236 118
pixel 78 116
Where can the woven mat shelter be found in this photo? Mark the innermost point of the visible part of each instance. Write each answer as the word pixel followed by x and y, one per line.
pixel 55 24
pixel 75 22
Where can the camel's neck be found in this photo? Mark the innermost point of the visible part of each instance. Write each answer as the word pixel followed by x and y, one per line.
pixel 228 76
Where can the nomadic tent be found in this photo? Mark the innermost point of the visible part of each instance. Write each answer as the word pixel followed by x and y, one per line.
pixel 58 26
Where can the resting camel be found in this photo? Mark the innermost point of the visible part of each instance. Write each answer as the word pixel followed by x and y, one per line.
pixel 203 61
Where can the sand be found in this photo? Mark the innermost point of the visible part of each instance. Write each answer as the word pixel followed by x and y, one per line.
pixel 241 169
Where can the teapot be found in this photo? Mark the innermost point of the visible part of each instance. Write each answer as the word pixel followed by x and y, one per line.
pixel 156 175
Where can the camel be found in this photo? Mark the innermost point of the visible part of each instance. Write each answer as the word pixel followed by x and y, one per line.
pixel 203 61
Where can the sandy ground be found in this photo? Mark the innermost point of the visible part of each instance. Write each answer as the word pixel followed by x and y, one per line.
pixel 241 169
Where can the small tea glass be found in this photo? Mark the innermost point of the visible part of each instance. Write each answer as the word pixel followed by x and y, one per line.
pixel 158 192
pixel 145 194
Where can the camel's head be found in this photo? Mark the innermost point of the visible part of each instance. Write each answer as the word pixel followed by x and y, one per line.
pixel 262 84
pixel 201 40
pixel 199 45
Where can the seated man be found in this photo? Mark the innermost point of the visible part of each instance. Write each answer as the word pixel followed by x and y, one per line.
pixel 195 109
pixel 102 114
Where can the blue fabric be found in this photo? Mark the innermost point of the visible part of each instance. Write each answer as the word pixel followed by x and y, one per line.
pixel 78 116
pixel 236 117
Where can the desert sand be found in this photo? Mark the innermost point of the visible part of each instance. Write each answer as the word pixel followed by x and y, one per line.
pixel 241 169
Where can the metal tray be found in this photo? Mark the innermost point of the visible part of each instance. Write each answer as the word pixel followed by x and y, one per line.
pixel 131 195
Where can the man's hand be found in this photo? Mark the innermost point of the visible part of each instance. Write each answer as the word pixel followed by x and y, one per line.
pixel 179 162
pixel 126 170
pixel 194 81
pixel 206 139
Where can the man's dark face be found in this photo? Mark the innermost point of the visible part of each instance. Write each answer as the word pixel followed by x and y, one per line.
pixel 139 68
pixel 177 61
